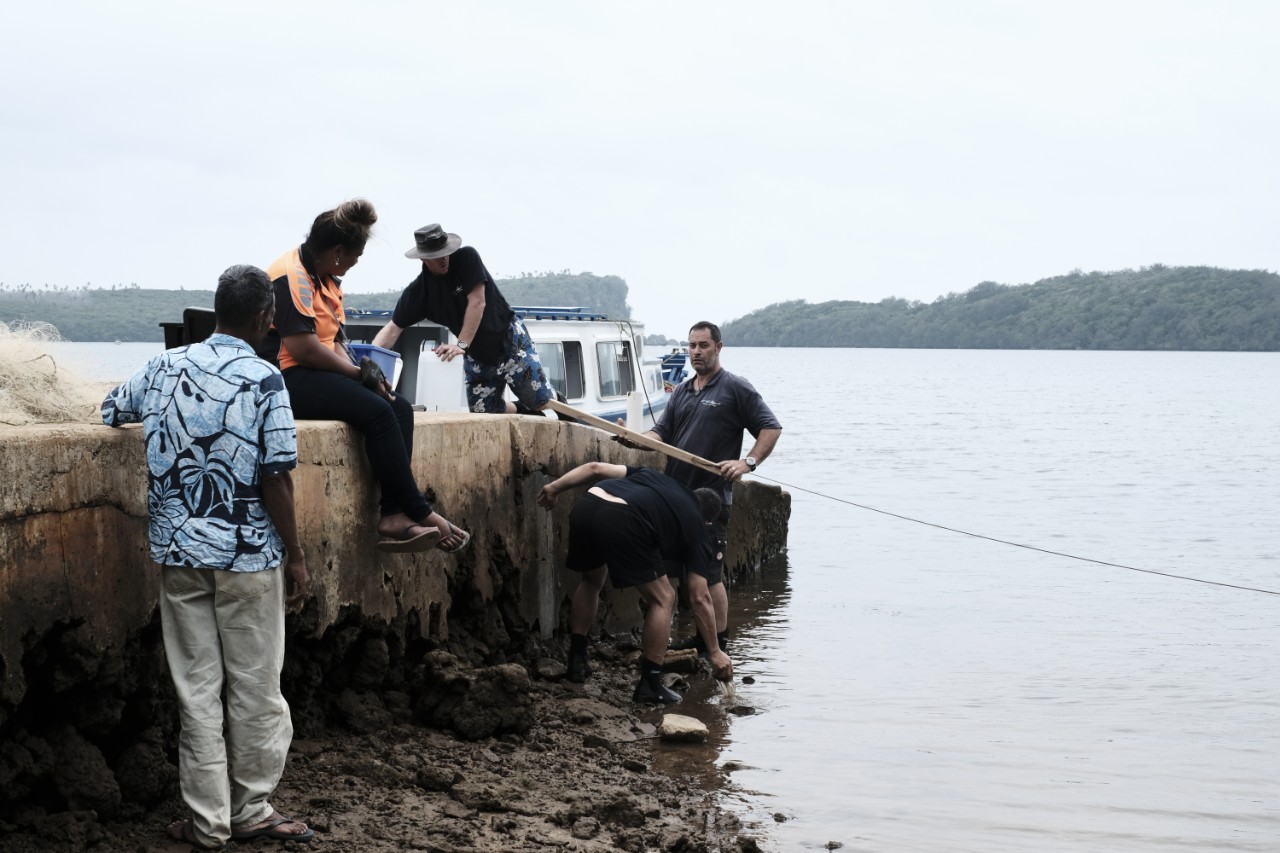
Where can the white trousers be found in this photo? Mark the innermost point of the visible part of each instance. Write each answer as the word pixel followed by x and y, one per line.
pixel 226 629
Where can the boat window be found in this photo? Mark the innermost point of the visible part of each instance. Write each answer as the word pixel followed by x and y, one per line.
pixel 616 373
pixel 563 363
pixel 575 376
pixel 653 377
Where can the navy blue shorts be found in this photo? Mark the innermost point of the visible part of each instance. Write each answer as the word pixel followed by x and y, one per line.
pixel 520 369
pixel 602 533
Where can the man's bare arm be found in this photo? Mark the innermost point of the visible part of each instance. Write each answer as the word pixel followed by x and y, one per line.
pixel 704 615
pixel 590 472
pixel 277 497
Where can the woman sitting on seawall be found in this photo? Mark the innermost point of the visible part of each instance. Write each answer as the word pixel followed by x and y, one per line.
pixel 309 344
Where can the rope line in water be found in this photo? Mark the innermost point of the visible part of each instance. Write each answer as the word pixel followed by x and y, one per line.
pixel 1019 544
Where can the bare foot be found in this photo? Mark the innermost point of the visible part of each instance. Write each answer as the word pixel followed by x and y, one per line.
pixel 178 831
pixel 455 539
pixel 400 526
pixel 277 826
pixel 182 830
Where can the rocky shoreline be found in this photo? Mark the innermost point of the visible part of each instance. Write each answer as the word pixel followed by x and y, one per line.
pixel 511 758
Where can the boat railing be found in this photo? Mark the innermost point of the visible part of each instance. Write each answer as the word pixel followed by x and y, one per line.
pixel 553 312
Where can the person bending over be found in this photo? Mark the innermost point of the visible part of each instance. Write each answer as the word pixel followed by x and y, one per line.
pixel 455 290
pixel 309 343
pixel 625 527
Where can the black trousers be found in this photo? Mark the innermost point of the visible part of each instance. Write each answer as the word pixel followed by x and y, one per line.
pixel 387 428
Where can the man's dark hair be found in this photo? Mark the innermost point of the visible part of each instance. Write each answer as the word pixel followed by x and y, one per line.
pixel 244 291
pixel 707 327
pixel 709 502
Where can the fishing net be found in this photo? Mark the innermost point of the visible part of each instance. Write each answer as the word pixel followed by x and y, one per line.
pixel 33 388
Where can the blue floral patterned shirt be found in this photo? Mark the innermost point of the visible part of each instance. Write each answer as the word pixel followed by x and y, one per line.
pixel 216 419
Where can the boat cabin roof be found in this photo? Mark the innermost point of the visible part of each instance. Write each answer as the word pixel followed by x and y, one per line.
pixel 525 312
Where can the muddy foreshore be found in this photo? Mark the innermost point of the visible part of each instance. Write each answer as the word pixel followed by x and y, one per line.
pixel 397 747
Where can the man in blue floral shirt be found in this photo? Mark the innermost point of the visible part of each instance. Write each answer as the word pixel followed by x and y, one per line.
pixel 220 442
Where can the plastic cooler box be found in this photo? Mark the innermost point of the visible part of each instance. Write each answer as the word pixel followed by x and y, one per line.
pixel 388 360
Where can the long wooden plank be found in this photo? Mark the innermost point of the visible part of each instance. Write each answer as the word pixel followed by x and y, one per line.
pixel 633 436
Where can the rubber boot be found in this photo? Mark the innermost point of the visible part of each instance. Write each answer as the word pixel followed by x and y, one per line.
pixel 650 690
pixel 579 669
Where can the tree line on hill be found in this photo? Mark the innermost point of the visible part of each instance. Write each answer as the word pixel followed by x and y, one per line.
pixel 1152 308
pixel 131 313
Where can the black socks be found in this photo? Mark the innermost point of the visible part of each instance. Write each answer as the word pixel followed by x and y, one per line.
pixel 578 669
pixel 650 690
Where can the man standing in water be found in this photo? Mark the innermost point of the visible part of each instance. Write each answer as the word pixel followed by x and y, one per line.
pixel 706 416
pixel 220 444
pixel 625 528
pixel 455 290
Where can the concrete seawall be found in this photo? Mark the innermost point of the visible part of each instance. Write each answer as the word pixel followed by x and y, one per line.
pixel 79 659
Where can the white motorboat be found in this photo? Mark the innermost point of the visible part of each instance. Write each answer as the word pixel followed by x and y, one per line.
pixel 597 363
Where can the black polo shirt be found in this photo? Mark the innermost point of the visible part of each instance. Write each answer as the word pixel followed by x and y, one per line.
pixel 709 423
pixel 443 299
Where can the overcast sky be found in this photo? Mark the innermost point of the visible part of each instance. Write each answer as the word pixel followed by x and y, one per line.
pixel 719 156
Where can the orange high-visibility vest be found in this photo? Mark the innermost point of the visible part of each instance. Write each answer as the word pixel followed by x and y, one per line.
pixel 319 299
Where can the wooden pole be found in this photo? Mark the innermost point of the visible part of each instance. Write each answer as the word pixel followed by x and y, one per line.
pixel 635 437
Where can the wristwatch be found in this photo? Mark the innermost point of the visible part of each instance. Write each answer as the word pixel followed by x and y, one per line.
pixel 462 345
pixel 751 462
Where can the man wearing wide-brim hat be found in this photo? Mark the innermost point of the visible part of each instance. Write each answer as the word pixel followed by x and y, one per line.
pixel 455 290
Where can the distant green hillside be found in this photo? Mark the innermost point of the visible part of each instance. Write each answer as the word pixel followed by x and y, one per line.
pixel 130 313
pixel 1154 308
pixel 604 293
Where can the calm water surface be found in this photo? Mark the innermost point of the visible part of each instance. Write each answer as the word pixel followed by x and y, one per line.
pixel 920 690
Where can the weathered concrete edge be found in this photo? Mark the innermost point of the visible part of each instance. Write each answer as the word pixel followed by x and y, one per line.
pixel 73 526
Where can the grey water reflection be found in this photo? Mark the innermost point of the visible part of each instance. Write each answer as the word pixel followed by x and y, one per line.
pixel 758 608
pixel 918 690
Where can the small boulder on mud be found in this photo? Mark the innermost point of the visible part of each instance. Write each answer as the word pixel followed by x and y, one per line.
pixel 678 728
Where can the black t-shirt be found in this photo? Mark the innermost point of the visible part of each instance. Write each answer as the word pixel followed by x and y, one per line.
pixel 443 299
pixel 671 510
pixel 710 424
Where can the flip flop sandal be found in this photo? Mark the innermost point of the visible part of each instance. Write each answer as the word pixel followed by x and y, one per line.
pixel 456 530
pixel 412 545
pixel 272 831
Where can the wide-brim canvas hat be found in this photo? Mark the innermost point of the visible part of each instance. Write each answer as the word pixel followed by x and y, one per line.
pixel 433 242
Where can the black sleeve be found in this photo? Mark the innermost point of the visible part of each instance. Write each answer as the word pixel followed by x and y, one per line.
pixel 412 305
pixel 289 320
pixel 468 270
pixel 755 412
pixel 702 554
